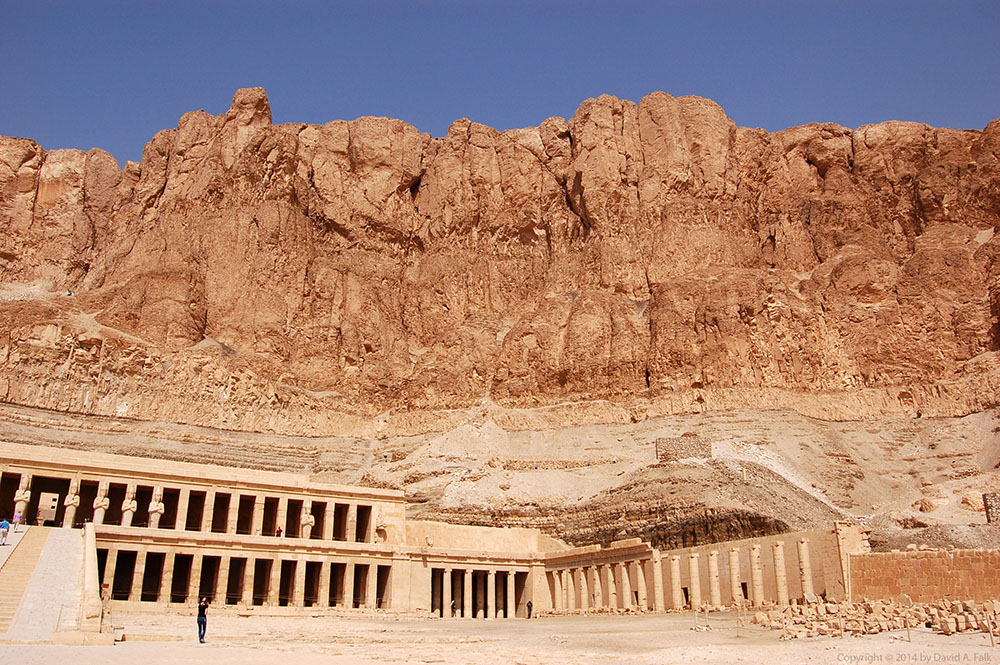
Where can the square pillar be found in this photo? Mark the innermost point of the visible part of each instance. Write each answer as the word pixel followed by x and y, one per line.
pixel 467 595
pixel 274 586
pixel 446 593
pixel 257 525
pixel 491 594
pixel 298 598
pixel 511 595
pixel 232 519
pixel 676 592
pixel 352 522
pixel 626 586
pixel 166 578
pixel 248 578
pixel 349 585
pixel 194 582
pixel 595 586
pixel 609 575
pixel 281 519
pixel 323 594
pixel 328 520
pixel 714 586
pixel 640 582
pixel 735 586
pixel 109 571
pixel 135 595
pixel 222 581
pixel 208 514
pixel 659 602
pixel 371 599
pixel 694 581
pixel 183 500
pixel 583 588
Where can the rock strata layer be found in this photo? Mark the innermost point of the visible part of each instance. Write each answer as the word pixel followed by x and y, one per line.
pixel 648 258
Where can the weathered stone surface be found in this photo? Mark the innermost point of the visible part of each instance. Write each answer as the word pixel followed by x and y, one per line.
pixel 651 254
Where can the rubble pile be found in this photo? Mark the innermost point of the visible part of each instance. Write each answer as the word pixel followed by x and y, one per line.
pixel 871 617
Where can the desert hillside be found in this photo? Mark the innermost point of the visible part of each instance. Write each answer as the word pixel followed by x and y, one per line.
pixel 515 325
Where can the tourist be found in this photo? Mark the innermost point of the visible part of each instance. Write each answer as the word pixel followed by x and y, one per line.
pixel 202 619
pixel 278 532
pixel 529 609
pixel 4 527
pixel 452 608
pixel 17 520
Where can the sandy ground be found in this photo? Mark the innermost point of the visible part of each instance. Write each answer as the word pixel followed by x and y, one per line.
pixel 617 640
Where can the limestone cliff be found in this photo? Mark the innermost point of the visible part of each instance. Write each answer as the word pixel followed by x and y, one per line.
pixel 361 276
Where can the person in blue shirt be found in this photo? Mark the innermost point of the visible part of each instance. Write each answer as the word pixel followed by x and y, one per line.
pixel 4 528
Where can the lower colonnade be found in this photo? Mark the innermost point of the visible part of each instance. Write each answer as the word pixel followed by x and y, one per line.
pixel 168 533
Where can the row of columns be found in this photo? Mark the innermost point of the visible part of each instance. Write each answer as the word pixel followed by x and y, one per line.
pixel 156 508
pixel 297 592
pixel 597 586
pixel 487 601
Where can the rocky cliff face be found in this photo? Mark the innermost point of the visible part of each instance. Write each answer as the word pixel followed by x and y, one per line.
pixel 647 258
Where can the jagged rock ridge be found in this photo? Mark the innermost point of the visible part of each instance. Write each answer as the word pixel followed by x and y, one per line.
pixel 648 258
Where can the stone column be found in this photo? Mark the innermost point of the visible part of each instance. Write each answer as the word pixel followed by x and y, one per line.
pixel 129 505
pixel 257 524
pixel 307 520
pixel 659 603
pixel 596 587
pixel 274 586
pixel 371 600
pixel 352 523
pixel 281 519
pixel 612 587
pixel 467 595
pixel 446 593
pixel 156 508
pixel 511 595
pixel 328 519
pixel 222 581
pixel 71 503
pixel 109 571
pixel 780 574
pixel 626 585
pixel 491 594
pixel 135 595
pixel 248 580
pixel 299 589
pixel 101 502
pixel 557 585
pixel 567 589
pixel 756 576
pixel 349 585
pixel 208 515
pixel 805 569
pixel 183 501
pixel 714 588
pixel 233 516
pixel 167 579
pixel 735 588
pixel 676 593
pixel 481 598
pixel 323 594
pixel 194 582
pixel 584 589
pixel 694 584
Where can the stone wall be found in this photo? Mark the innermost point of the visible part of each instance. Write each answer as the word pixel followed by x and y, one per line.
pixel 926 576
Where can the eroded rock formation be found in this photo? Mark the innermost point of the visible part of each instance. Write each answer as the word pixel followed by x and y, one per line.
pixel 305 279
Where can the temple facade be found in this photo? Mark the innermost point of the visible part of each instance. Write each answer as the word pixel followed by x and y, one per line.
pixel 167 533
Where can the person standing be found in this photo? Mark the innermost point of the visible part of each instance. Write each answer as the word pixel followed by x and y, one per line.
pixel 202 619
pixel 4 528
pixel 529 609
pixel 17 520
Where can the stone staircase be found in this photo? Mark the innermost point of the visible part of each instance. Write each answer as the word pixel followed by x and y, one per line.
pixel 41 585
pixel 23 550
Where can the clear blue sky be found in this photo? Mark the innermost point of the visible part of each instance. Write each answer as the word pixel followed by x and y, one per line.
pixel 111 74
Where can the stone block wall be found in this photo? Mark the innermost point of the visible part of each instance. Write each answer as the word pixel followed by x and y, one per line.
pixel 926 576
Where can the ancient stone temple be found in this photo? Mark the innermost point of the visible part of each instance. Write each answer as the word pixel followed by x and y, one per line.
pixel 167 533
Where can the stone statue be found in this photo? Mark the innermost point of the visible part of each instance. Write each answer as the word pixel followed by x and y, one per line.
pixel 308 521
pixel 129 505
pixel 101 503
pixel 156 508
pixel 22 497
pixel 71 502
